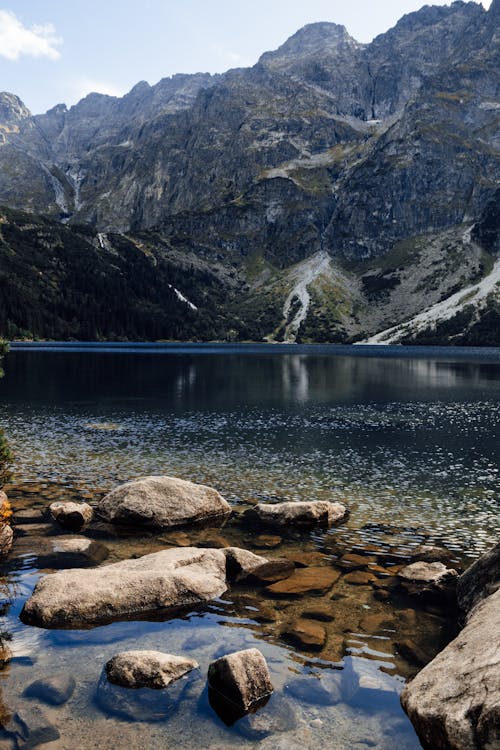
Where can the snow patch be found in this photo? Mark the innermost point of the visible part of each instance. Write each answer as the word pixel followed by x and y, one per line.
pixel 182 298
pixel 476 294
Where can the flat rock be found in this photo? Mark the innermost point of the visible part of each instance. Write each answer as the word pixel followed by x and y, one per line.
pixel 306 559
pixel 299 514
pixel 312 580
pixel 54 690
pixel 147 669
pixel 454 702
pixel 163 502
pixel 359 578
pixel 63 551
pixel 322 612
pixel 241 677
pixel 28 515
pixel 351 561
pixel 71 516
pixel 35 529
pixel 306 634
pixel 480 580
pixel 171 578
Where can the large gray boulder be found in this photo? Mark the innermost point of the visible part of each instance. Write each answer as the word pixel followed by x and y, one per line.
pixel 299 514
pixel 163 502
pixel 454 702
pixel 480 580
pixel 168 579
pixel 147 669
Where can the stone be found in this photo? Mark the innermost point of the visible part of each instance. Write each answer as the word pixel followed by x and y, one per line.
pixel 480 580
pixel 63 551
pixel 454 702
pixel 426 579
pixel 172 578
pixel 359 578
pixel 412 652
pixel 352 561
pixel 6 539
pixel 430 553
pixel 28 515
pixel 306 559
pixel 163 502
pixel 298 514
pixel 241 562
pixel 314 581
pixel 54 690
pixel 147 669
pixel 317 691
pixel 71 516
pixel 31 727
pixel 277 715
pixel 267 541
pixel 306 634
pixel 241 677
pixel 322 612
pixel 270 572
pixel 375 622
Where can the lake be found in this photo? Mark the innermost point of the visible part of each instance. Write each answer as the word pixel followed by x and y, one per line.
pixel 407 438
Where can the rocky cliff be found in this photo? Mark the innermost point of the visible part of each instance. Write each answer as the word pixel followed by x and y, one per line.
pixel 380 159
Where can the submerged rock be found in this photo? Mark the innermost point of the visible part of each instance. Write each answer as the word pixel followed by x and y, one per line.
pixel 314 580
pixel 171 578
pixel 454 702
pixel 306 634
pixel 299 514
pixel 147 669
pixel 241 562
pixel 63 551
pixel 55 690
pixel 30 727
pixel 163 502
pixel 71 516
pixel 269 572
pixel 480 580
pixel 241 677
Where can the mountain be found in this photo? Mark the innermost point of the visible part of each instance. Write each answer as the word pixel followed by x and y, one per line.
pixel 331 192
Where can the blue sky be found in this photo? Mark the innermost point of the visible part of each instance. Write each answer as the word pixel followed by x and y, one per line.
pixel 60 50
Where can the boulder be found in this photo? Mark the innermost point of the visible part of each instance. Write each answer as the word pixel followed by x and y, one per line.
pixel 54 690
pixel 426 579
pixel 454 702
pixel 313 581
pixel 171 578
pixel 480 580
pixel 241 677
pixel 163 502
pixel 6 539
pixel 299 514
pixel 147 669
pixel 71 516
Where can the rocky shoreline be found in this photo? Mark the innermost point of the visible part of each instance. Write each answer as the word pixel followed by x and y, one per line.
pixel 84 593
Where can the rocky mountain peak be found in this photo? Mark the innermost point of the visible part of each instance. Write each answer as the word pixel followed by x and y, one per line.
pixel 12 109
pixel 311 40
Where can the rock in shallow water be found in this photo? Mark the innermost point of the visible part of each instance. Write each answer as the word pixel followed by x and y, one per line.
pixel 163 502
pixel 54 690
pixel 147 669
pixel 454 702
pixel 71 516
pixel 298 514
pixel 168 579
pixel 480 580
pixel 241 677
pixel 62 551
pixel 426 579
pixel 313 581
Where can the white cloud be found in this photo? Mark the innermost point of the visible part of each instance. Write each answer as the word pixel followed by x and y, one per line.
pixel 17 40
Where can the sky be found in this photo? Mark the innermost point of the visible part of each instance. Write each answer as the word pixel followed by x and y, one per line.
pixel 60 50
